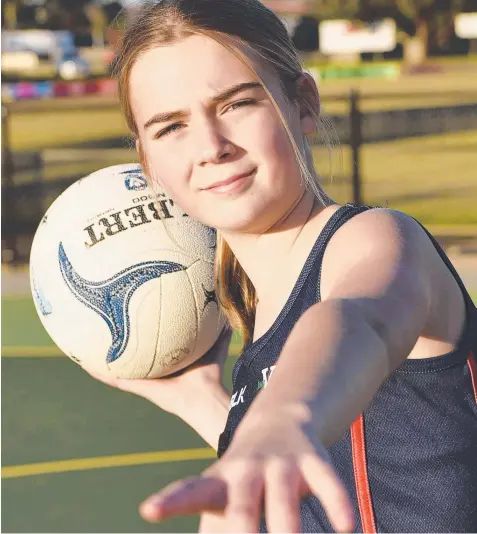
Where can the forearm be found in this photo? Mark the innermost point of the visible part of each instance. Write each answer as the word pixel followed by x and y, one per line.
pixel 206 412
pixel 330 369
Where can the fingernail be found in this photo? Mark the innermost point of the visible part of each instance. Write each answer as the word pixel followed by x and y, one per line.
pixel 151 510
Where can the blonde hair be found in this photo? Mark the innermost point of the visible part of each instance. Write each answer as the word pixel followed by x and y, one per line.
pixel 248 29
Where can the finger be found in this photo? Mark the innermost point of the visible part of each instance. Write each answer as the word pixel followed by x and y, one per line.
pixel 105 379
pixel 189 497
pixel 244 505
pixel 210 522
pixel 124 384
pixel 282 497
pixel 327 486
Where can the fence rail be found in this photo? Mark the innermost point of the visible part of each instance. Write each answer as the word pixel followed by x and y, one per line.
pixel 23 204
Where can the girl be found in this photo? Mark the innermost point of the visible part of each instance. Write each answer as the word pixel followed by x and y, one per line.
pixel 354 400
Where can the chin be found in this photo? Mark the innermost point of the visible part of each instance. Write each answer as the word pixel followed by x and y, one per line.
pixel 243 222
pixel 245 213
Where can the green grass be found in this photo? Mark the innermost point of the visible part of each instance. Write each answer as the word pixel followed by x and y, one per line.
pixel 431 90
pixel 52 128
pixel 100 118
pixel 431 178
pixel 81 163
pixel 34 131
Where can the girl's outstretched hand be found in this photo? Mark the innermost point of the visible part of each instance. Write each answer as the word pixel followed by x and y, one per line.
pixel 272 462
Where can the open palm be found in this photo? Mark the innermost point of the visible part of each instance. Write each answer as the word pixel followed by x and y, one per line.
pixel 270 465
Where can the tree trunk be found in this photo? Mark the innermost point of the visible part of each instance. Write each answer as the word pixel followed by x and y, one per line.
pixel 10 15
pixel 415 48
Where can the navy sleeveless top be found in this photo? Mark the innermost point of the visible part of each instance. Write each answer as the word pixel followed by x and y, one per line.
pixel 409 461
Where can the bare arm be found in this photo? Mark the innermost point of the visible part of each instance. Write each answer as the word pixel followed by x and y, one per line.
pixel 375 303
pixel 207 412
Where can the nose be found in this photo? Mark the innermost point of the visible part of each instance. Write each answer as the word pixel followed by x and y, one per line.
pixel 212 145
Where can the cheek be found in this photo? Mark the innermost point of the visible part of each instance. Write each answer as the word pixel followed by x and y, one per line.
pixel 170 173
pixel 275 146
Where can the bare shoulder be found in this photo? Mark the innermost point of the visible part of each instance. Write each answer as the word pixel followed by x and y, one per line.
pixel 384 256
pixel 378 248
pixel 380 229
pixel 379 233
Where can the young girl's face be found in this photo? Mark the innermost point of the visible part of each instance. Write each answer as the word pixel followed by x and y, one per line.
pixel 212 137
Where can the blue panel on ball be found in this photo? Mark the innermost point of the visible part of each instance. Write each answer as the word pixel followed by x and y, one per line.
pixel 110 298
pixel 40 299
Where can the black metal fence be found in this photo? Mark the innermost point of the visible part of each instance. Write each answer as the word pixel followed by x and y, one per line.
pixel 25 201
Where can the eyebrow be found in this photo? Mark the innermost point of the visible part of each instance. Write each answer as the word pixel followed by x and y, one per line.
pixel 217 99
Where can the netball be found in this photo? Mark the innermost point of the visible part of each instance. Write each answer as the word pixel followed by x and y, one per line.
pixel 122 279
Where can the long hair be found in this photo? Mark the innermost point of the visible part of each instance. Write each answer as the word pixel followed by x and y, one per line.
pixel 252 32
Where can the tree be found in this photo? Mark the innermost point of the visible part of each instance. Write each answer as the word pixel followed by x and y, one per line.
pixel 424 23
pixel 427 24
pixel 112 10
pixel 98 23
pixel 333 9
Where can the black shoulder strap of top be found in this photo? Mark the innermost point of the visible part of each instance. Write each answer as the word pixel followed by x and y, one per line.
pixel 340 217
pixel 347 212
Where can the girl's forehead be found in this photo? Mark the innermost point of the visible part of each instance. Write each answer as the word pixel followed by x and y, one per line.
pixel 196 59
pixel 196 67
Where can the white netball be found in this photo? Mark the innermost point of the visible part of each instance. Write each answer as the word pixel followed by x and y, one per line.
pixel 122 279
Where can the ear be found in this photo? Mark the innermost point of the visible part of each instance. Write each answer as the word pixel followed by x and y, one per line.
pixel 308 98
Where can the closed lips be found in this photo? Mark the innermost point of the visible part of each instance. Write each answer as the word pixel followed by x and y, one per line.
pixel 229 180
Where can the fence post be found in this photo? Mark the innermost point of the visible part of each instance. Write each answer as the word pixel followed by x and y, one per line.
pixel 355 119
pixel 8 207
pixel 7 163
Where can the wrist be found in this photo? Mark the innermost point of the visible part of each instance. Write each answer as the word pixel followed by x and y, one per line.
pixel 277 411
pixel 205 409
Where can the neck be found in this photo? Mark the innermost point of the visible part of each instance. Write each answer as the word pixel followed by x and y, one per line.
pixel 271 251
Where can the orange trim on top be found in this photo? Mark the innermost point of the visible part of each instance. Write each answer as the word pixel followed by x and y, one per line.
pixel 358 447
pixel 473 372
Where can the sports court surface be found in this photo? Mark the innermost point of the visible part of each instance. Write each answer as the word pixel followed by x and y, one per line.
pixel 79 456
